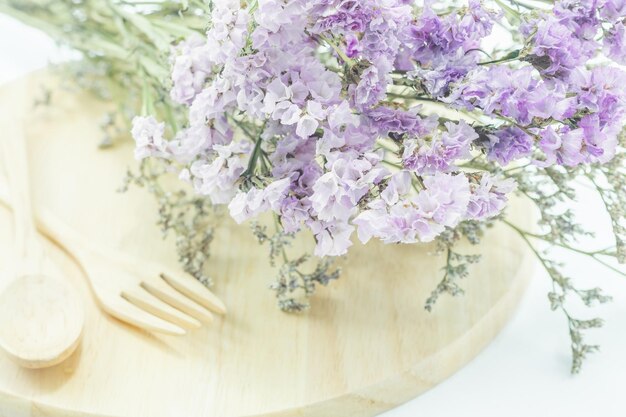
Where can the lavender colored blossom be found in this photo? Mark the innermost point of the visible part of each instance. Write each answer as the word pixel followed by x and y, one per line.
pixel 333 239
pixel 336 193
pixel 556 50
pixel 444 148
pixel 613 10
pixel 190 69
pixel 489 197
pixel 246 205
pixel 340 116
pixel 420 218
pixel 372 87
pixel 615 43
pixel 508 144
pixel 445 47
pixel 216 177
pixel 395 122
pixel 561 147
pixel 148 134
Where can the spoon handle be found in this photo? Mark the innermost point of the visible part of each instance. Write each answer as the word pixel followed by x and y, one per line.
pixel 13 141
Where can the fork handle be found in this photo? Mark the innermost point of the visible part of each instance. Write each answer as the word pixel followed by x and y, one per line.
pixel 13 141
pixel 76 245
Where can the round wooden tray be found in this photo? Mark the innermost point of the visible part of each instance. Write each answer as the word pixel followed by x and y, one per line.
pixel 366 345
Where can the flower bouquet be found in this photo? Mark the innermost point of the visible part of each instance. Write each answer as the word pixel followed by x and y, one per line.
pixel 395 120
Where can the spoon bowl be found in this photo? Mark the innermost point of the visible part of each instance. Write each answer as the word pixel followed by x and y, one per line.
pixel 41 320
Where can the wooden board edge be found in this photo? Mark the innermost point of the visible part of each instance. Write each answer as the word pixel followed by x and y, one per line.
pixel 427 374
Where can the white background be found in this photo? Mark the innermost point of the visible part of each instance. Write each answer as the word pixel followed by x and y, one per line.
pixel 525 371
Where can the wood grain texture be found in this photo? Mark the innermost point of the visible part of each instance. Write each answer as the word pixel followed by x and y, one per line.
pixel 366 345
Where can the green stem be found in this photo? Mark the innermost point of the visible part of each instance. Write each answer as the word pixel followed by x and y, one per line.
pixel 410 97
pixel 591 254
pixel 349 61
pixel 256 152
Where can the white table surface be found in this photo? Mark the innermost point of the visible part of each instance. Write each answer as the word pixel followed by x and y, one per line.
pixel 525 371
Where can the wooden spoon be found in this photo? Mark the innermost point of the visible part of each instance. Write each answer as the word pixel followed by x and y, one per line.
pixel 41 317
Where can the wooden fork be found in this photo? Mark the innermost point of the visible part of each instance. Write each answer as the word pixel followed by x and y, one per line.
pixel 140 293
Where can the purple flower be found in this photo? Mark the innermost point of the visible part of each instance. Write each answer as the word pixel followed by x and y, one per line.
pixel 352 46
pixel 256 201
pixel 563 41
pixel 402 223
pixel 444 149
pixel 148 136
pixel 613 10
pixel 216 178
pixel 336 193
pixel 615 43
pixel 294 212
pixel 489 197
pixel 445 198
pixel 599 144
pixel 397 122
pixel 561 147
pixel 333 239
pixel 508 144
pixel 372 87
pixel 191 67
pixel 404 219
pixel 445 46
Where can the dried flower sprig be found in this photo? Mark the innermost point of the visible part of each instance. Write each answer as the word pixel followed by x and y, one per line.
pixel 457 265
pixel 190 218
pixel 610 182
pixel 293 284
pixel 562 289
pixel 456 268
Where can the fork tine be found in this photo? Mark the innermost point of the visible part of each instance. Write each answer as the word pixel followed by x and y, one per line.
pixel 161 290
pixel 123 310
pixel 153 305
pixel 193 289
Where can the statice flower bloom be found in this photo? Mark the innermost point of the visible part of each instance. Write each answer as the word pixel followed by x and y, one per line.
pixel 613 10
pixel 190 69
pixel 445 198
pixel 337 193
pixel 148 134
pixel 444 148
pixel 372 33
pixel 562 147
pixel 445 47
pixel 400 223
pixel 402 219
pixel 333 238
pixel 489 197
pixel 556 50
pixel 216 177
pixel 615 43
pixel 395 122
pixel 580 16
pixel 246 205
pixel 514 93
pixel 372 87
pixel 376 24
pixel 509 144
pixel 228 32
pixel 566 38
